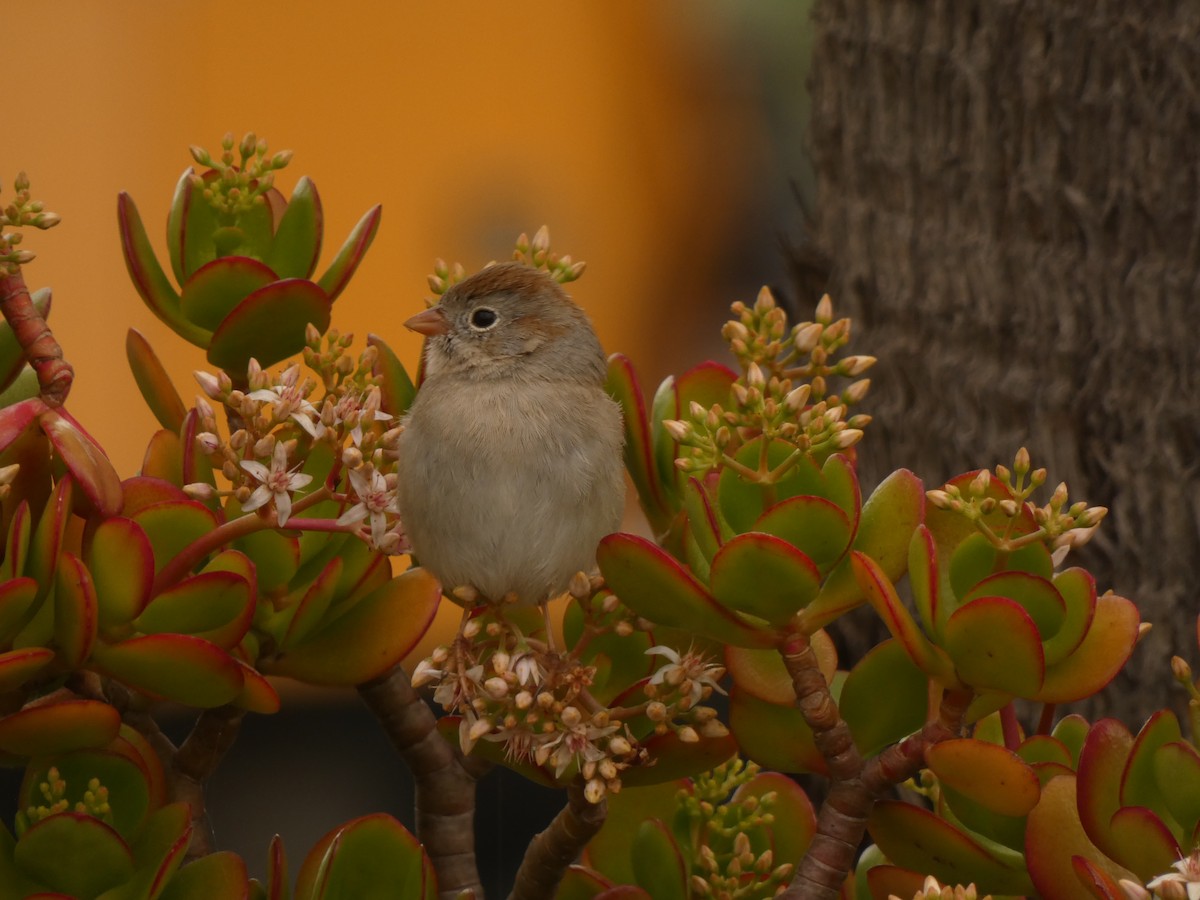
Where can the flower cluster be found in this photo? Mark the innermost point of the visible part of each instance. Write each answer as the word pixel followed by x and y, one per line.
pixel 932 890
pixel 94 802
pixel 1182 884
pixel 21 211
pixel 724 864
pixel 783 394
pixel 1056 524
pixel 234 187
pixel 276 424
pixel 535 253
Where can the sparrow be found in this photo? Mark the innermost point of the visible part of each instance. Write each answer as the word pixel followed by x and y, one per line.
pixel 510 457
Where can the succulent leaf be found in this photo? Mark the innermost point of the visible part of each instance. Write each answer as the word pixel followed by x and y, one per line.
pixel 269 324
pixel 214 290
pixel 99 859
pixel 85 460
pixel 297 243
pixel 218 876
pixel 153 381
pixel 886 670
pixel 347 261
pixel 372 850
pixel 995 645
pixel 396 387
pixel 764 576
pixel 76 616
pixel 658 864
pixel 177 667
pixel 58 727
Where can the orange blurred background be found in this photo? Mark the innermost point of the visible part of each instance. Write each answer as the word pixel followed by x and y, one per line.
pixel 660 142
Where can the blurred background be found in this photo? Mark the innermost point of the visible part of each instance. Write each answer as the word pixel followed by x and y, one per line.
pixel 662 143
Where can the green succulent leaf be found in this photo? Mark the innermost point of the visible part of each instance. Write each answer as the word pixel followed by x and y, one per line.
pixel 581 883
pixel 153 381
pixel 76 615
pixel 1097 659
pixel 218 876
pixel 173 525
pixel 58 727
pixel 276 556
pixel 347 261
pixel 396 387
pixel 313 606
pixel 817 527
pixel 1077 588
pixel 148 277
pixel 85 460
pixel 269 325
pixel 16 598
pixel 1101 766
pixel 658 864
pixel 99 859
pixel 217 606
pixel 17 666
pixel 117 766
pixel 885 671
pixel 297 242
pixel 757 726
pixel 995 645
pixel 991 775
pixel 158 852
pixel 164 457
pixel 622 386
pixel 609 851
pixel 1177 778
pixel 354 860
pixel 764 576
pixel 46 545
pixel 623 658
pixel 177 667
pixel 1139 784
pixel 1147 846
pixel 216 288
pixel 674 758
pixel 794 823
pixel 121 563
pixel 257 694
pixel 657 587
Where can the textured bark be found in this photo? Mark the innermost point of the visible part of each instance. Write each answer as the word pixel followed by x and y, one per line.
pixel 445 788
pixel 55 375
pixel 1008 196
pixel 553 850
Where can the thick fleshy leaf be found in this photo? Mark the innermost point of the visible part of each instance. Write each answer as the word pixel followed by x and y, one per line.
pixel 882 596
pixel 176 222
pixel 609 851
pixel 1101 655
pixel 889 518
pixel 665 406
pixel 757 725
pixel 12 357
pixel 1177 776
pixel 216 288
pixel 98 858
pixel 395 387
pixel 257 693
pixel 917 839
pixel 178 667
pixel 199 233
pixel 172 526
pixel 148 276
pixel 218 876
pixel 1037 596
pixel 195 466
pixel 276 556
pixel 46 543
pixel 15 420
pixel 1139 785
pixel 620 660
pixel 742 502
pixel 164 457
pixel 354 859
pixel 1146 844
pixel 16 666
pixel 121 562
pixel 142 491
pixel 764 576
pixel 885 697
pixel 995 645
pixel 658 864
pixel 1101 765
pixel 85 460
pixel 581 883
pixel 277 871
pixel 76 617
pixel 344 265
pixel 16 598
pixel 269 324
pixel 815 526
pixel 762 673
pixel 158 852
pixel 368 639
pixel 153 381
pixel 675 759
pixel 886 880
pixel 976 558
pixel 1077 588
pixel 217 606
pixel 118 767
pixel 1045 748
pixel 703 523
pixel 706 384
pixel 622 386
pixel 794 823
pixel 1053 836
pixel 1101 886
pixel 311 608
pixel 58 727
pixel 987 773
pixel 657 587
pixel 297 242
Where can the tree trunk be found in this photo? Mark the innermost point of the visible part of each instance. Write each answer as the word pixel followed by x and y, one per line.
pixel 1009 195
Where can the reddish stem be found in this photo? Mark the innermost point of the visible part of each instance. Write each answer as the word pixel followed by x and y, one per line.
pixel 553 850
pixel 41 349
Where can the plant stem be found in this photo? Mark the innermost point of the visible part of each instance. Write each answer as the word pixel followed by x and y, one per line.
pixel 445 781
pixel 55 375
pixel 553 850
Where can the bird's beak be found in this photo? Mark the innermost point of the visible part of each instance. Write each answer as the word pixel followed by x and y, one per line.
pixel 432 321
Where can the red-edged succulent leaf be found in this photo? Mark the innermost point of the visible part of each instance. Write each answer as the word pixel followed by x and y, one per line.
pixel 369 638
pixel 704 524
pixel 924 581
pixel 742 502
pixel 84 459
pixel 883 880
pixel 276 556
pixel 372 850
pixel 1078 590
pixel 995 645
pixel 148 276
pixel 658 863
pixel 889 517
pixel 344 265
pixel 76 616
pixel 991 775
pixel 758 725
pixel 395 386
pixel 194 465
pixel 218 876
pixel 882 596
pixel 118 766
pixel 764 576
pixel 819 528
pixel 142 491
pixel 622 386
pixel 277 871
pixel 58 727
pixel 215 289
pixel 121 563
pixel 917 839
pixel 609 851
pixel 1039 748
pixel 164 457
pixel 46 544
pixel 1097 659
pixel 177 222
pixel 1054 836
pixel 99 859
pixel 269 324
pixel 706 384
pixel 1147 845
pixel 257 693
pixel 16 598
pixel 297 242
pixel 153 381
pixel 620 660
pixel 197 235
pixel 17 666
pixel 217 606
pixel 886 671
pixel 977 557
pixel 173 525
pixel 160 848
pixel 1037 596
pixel 794 824
pixel 1099 884
pixel 311 608
pixel 177 667
pixel 1072 731
pixel 762 673
pixel 131 744
pixel 16 419
pixel 675 759
pixel 1177 775
pixel 1101 764
pixel 1139 785
pixel 657 587
pixel 581 883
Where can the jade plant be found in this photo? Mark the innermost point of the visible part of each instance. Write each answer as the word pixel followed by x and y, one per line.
pixel 674 700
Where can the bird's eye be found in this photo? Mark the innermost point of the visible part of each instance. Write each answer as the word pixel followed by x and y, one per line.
pixel 483 318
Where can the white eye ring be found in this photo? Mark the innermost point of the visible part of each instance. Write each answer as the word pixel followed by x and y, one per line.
pixel 483 318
